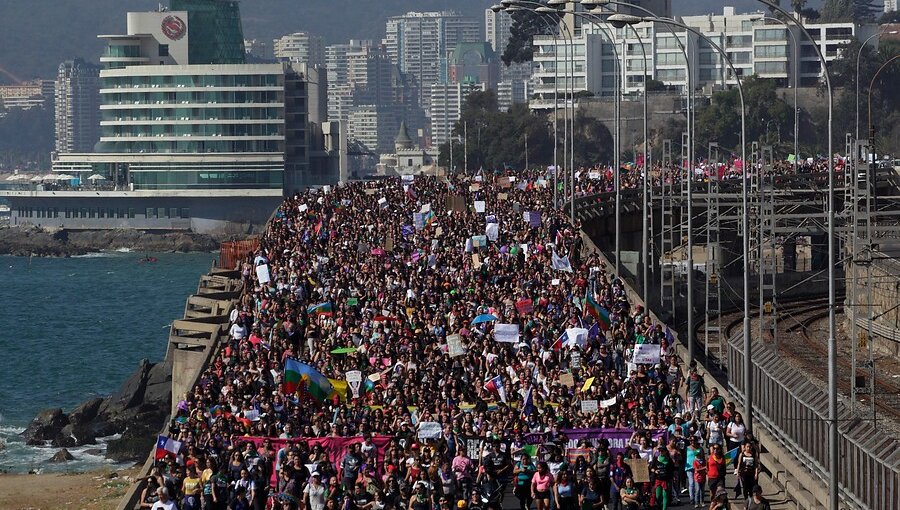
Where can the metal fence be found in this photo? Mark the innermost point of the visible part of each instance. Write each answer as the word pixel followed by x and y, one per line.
pixel 795 411
pixel 232 252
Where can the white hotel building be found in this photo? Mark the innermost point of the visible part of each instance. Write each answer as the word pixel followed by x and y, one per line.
pixel 755 43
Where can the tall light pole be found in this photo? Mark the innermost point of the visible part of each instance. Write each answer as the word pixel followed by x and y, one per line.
pixel 689 125
pixel 625 19
pixel 833 453
pixel 497 8
pixel 796 86
pixel 616 176
pixel 858 58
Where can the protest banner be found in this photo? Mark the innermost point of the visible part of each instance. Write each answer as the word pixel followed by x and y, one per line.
pixel 455 346
pixel 480 206
pixel 429 430
pixel 492 231
pixel 506 333
pixel 608 402
pixel 567 380
pixel 589 406
pixel 646 354
pixel 354 380
pixel 640 470
pixel 262 273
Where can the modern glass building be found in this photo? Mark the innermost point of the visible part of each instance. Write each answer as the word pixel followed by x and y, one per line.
pixel 216 33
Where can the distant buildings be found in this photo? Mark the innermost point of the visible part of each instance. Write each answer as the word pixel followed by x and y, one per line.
pixel 77 106
pixel 258 49
pixel 447 100
pixel 420 42
pixel 755 46
pixel 27 95
pixel 890 5
pixel 190 135
pixel 300 47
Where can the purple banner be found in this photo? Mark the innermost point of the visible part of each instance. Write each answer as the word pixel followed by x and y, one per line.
pixel 618 438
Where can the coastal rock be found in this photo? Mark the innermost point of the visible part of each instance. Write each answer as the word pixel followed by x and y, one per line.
pixel 75 435
pixel 134 444
pixel 131 394
pixel 86 411
pixel 61 456
pixel 28 240
pixel 45 426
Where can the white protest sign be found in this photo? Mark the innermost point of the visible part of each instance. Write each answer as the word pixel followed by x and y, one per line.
pixel 492 231
pixel 479 206
pixel 429 430
pixel 303 208
pixel 589 406
pixel 608 402
pixel 645 354
pixel 455 346
pixel 262 273
pixel 506 333
pixel 354 380
pixel 382 202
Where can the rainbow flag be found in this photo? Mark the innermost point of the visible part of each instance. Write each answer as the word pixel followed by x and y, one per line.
pixel 600 314
pixel 300 375
pixel 429 219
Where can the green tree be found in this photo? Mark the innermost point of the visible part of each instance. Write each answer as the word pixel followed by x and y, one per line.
pixel 497 139
pixel 766 115
pixel 526 24
pixel 593 141
pixel 837 10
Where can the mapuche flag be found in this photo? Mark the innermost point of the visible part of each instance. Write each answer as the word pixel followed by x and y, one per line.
pixel 301 375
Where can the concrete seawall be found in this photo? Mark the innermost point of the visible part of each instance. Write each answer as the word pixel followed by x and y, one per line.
pixel 193 343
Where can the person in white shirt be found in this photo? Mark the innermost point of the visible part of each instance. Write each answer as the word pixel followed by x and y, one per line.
pixel 164 502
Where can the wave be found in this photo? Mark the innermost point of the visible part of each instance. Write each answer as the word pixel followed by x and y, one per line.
pixel 94 255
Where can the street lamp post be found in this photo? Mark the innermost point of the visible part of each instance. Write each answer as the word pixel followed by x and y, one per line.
pixel 625 19
pixel 858 58
pixel 796 86
pixel 833 453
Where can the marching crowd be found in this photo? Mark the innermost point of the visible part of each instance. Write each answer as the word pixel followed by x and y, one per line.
pixel 466 302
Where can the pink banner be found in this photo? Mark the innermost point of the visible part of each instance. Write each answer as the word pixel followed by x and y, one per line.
pixel 335 447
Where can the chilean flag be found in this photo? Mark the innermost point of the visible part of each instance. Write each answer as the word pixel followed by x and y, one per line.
pixel 495 385
pixel 166 445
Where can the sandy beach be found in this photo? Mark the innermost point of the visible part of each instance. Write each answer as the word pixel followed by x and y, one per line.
pixel 93 490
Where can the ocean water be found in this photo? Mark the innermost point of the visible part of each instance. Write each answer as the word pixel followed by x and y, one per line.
pixel 76 328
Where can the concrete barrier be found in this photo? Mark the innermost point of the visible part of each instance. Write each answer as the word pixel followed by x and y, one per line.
pixel 193 343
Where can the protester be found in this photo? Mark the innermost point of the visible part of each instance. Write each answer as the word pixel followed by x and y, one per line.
pixel 485 335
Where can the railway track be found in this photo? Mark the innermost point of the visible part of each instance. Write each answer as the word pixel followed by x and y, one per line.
pixel 802 339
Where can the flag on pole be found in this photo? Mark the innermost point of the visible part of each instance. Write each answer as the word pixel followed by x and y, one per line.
pixel 528 404
pixel 166 445
pixel 320 309
pixel 300 375
pixel 495 386
pixel 561 263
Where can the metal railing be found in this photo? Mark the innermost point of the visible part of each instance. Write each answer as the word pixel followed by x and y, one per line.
pixel 795 411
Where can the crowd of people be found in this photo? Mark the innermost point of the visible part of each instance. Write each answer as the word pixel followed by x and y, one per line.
pixel 499 359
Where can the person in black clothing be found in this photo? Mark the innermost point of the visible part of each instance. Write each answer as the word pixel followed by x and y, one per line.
pixel 663 469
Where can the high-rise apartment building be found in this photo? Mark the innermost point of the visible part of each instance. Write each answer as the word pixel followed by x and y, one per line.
pixel 420 42
pixel 300 47
pixel 77 106
pixel 447 102
pixel 210 146
pixel 755 46
pixel 497 27
pixel 890 5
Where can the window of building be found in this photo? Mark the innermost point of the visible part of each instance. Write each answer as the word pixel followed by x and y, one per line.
pixel 173 212
pixel 771 34
pixel 150 213
pixel 770 51
pixel 163 50
pixel 770 67
pixel 185 212
pixel 131 212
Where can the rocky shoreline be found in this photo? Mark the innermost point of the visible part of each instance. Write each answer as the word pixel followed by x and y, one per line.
pixel 137 411
pixel 26 241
